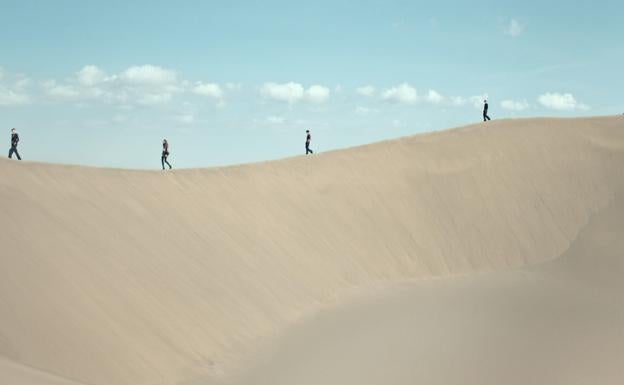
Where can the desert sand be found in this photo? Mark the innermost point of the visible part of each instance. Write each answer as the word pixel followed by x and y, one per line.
pixel 487 254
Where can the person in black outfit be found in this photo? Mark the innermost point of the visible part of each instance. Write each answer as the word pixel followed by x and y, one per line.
pixel 308 139
pixel 485 111
pixel 165 154
pixel 14 142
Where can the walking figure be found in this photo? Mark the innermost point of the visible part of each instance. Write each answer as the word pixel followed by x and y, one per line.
pixel 308 139
pixel 485 111
pixel 14 142
pixel 165 154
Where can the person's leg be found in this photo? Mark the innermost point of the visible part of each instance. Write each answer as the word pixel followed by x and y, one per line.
pixel 166 161
pixel 18 155
pixel 11 153
pixel 162 161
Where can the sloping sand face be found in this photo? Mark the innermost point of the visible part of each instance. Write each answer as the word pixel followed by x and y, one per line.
pixel 560 323
pixel 139 277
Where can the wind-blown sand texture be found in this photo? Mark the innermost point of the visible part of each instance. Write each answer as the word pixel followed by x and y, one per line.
pixel 488 254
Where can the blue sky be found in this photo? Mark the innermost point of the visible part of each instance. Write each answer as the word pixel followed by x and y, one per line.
pixel 102 82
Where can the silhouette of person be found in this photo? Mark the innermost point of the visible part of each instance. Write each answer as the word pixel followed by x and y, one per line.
pixel 308 139
pixel 165 154
pixel 14 142
pixel 485 111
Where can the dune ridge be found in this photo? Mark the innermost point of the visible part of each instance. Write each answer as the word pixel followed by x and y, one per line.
pixel 142 277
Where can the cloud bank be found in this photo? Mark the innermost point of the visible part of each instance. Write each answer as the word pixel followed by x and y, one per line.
pixel 561 102
pixel 292 92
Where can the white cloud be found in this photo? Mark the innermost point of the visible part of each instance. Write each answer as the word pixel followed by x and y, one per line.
pixel 22 83
pixel 145 85
pixel 364 110
pixel 366 91
pixel 562 102
pixel 185 118
pixel 403 93
pixel 150 99
pixel 90 75
pixel 275 119
pixel 406 94
pixel 119 118
pixel 16 93
pixel 457 101
pixel 60 91
pixel 287 92
pixel 514 28
pixel 514 105
pixel 292 92
pixel 477 100
pixel 434 97
pixel 233 86
pixel 211 90
pixel 317 93
pixel 149 75
pixel 10 97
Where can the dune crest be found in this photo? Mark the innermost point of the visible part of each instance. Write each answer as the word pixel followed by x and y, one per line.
pixel 142 277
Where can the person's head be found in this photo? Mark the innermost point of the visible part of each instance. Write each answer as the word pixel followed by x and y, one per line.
pixel 307 131
pixel 485 101
pixel 164 140
pixel 12 129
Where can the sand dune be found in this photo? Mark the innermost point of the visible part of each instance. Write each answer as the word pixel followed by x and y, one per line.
pixel 142 277
pixel 14 373
pixel 560 323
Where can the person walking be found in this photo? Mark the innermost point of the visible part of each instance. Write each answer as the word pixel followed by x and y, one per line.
pixel 14 142
pixel 485 111
pixel 308 139
pixel 165 154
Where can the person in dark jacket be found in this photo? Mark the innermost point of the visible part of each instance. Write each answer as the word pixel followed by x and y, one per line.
pixel 165 154
pixel 14 142
pixel 485 111
pixel 308 139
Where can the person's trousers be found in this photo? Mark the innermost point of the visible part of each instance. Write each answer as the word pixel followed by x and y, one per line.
pixel 12 151
pixel 163 160
pixel 308 151
pixel 486 117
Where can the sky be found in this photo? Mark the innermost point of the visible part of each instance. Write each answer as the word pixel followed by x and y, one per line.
pixel 103 82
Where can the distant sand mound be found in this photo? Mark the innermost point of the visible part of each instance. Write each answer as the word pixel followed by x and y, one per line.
pixel 115 277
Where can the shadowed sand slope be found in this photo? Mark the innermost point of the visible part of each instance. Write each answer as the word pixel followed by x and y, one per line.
pixel 141 277
pixel 560 323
